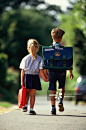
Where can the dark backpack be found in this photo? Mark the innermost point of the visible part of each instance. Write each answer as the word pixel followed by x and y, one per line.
pixel 59 58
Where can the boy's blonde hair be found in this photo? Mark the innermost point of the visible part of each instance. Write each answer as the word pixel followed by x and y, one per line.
pixel 57 33
pixel 32 46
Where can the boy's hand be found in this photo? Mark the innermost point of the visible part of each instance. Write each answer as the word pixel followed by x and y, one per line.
pixel 45 78
pixel 71 76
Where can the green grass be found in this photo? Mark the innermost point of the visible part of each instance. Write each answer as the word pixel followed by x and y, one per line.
pixel 5 104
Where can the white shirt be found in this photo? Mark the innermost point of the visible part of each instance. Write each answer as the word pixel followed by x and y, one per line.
pixel 56 44
pixel 31 65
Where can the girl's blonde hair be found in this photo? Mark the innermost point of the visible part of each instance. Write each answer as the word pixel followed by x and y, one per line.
pixel 32 47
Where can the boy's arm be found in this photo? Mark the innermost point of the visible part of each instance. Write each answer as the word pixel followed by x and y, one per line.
pixel 71 75
pixel 22 77
pixel 43 75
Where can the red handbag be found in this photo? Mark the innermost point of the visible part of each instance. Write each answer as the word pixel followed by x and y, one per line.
pixel 22 97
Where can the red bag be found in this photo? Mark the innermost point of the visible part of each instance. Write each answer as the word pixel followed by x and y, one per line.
pixel 22 97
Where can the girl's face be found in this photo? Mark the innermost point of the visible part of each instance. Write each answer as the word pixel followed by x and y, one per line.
pixel 29 49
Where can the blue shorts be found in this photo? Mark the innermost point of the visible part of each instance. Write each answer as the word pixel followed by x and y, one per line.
pixel 55 76
pixel 32 82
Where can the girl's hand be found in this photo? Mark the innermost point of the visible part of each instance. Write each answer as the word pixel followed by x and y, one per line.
pixel 46 79
pixel 22 83
pixel 71 76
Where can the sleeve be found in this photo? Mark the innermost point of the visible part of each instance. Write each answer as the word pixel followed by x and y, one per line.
pixel 41 65
pixel 22 64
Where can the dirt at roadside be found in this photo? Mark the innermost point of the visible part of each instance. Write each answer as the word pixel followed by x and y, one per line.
pixel 4 110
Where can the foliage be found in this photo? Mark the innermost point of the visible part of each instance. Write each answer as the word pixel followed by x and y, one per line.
pixel 17 28
pixel 75 28
pixel 9 91
pixel 3 68
pixel 75 35
pixel 12 79
pixel 18 24
pixel 5 104
pixel 79 14
pixel 15 4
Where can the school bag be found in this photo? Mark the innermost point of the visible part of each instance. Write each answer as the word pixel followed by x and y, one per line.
pixel 57 57
pixel 22 97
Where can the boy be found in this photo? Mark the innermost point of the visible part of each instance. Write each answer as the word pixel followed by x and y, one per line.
pixel 57 75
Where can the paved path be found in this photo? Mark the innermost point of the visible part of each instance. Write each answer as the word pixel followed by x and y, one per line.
pixel 73 118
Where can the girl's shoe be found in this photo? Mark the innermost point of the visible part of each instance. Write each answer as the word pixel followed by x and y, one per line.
pixel 32 113
pixel 61 108
pixel 53 112
pixel 24 109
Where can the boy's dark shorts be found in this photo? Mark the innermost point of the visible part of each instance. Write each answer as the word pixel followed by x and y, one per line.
pixel 55 76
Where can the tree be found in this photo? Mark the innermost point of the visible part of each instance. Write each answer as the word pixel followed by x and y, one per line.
pixel 80 35
pixel 3 68
pixel 80 51
pixel 17 28
pixel 17 25
pixel 15 4
pixel 74 24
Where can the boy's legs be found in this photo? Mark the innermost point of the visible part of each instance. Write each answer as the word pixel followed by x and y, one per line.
pixel 62 95
pixel 63 91
pixel 53 94
pixel 61 108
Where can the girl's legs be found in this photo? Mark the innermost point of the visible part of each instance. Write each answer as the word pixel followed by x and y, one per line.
pixel 32 100
pixel 27 95
pixel 24 109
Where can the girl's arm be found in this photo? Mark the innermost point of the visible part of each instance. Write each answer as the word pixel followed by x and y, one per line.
pixel 43 75
pixel 22 77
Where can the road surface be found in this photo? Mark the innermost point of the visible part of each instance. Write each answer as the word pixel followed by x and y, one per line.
pixel 73 118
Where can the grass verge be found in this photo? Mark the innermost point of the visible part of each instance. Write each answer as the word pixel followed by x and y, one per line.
pixel 5 104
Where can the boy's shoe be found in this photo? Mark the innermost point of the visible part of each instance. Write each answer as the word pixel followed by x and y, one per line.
pixel 61 108
pixel 24 109
pixel 32 113
pixel 53 112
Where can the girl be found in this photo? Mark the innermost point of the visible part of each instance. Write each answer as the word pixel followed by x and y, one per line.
pixel 31 66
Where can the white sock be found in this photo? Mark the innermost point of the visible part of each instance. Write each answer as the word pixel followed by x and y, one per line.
pixel 31 109
pixel 25 105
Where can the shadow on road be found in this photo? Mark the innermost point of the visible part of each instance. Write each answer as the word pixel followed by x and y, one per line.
pixel 58 115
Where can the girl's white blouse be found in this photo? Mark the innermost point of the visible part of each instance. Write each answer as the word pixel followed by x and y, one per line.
pixel 30 65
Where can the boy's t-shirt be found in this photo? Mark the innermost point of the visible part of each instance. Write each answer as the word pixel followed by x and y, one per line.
pixel 57 44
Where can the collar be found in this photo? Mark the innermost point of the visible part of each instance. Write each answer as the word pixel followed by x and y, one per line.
pixel 56 43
